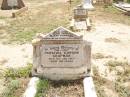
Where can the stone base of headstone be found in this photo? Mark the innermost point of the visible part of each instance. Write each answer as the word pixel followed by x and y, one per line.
pixel 62 73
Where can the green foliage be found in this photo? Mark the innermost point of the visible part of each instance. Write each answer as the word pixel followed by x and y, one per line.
pixel 42 86
pixel 128 1
pixel 1 17
pixel 14 84
pixel 20 72
pixel 11 87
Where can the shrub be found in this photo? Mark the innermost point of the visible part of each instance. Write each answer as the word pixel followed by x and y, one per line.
pixel 11 87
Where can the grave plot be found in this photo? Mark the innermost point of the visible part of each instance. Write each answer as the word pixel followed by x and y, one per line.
pixel 63 57
pixel 65 89
pixel 81 19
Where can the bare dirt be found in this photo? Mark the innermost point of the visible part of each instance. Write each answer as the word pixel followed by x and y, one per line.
pixel 65 89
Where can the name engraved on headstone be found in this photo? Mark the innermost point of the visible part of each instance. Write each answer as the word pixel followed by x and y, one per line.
pixel 61 34
pixel 61 55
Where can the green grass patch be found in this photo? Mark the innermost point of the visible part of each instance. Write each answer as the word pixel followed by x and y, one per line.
pixel 2 17
pixel 19 72
pixel 42 86
pixel 12 86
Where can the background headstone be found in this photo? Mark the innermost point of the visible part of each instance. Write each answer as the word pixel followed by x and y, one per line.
pixel 10 4
pixel 87 4
pixel 80 13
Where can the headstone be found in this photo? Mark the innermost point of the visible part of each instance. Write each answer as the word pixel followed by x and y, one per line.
pixel 87 4
pixel 80 13
pixel 61 55
pixel 10 4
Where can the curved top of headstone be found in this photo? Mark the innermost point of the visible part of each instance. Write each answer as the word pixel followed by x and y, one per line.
pixel 60 33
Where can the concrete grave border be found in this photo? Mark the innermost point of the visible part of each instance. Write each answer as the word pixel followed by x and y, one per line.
pixel 89 88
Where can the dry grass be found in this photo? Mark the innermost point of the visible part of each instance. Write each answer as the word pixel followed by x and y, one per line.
pixel 100 56
pixel 112 40
pixel 24 29
pixel 42 19
pixel 111 15
pixel 49 16
pixel 116 87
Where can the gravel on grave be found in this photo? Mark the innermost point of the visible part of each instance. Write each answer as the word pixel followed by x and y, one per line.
pixel 65 89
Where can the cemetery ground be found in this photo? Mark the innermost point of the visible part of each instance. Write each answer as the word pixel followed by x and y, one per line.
pixel 110 37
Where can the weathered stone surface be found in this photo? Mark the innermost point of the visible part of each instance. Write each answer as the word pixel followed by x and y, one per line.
pixel 89 88
pixel 68 55
pixel 80 13
pixel 61 55
pixel 31 88
pixel 87 4
pixel 80 21
pixel 12 2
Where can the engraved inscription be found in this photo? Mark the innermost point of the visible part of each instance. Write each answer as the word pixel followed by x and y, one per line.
pixel 62 34
pixel 67 55
pixel 80 12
